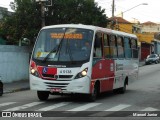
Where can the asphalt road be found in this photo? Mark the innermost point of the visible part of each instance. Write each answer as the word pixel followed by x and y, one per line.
pixel 142 98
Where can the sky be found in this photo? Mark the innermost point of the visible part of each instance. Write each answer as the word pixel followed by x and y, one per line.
pixel 142 13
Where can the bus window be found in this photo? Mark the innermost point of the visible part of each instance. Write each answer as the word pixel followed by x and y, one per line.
pixel 134 48
pixel 120 47
pixel 98 45
pixel 113 48
pixel 106 46
pixel 127 46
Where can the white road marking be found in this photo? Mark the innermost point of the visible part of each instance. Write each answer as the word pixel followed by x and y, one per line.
pixel 24 106
pixel 111 110
pixel 51 107
pixel 150 109
pixel 118 107
pixel 85 107
pixel 7 103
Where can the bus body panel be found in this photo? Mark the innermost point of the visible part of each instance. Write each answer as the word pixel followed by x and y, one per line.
pixel 125 69
pixel 103 71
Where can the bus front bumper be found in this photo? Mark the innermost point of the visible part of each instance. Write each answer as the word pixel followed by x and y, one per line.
pixel 81 85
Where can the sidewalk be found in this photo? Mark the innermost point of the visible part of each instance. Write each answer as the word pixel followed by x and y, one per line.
pixel 141 63
pixel 24 85
pixel 16 86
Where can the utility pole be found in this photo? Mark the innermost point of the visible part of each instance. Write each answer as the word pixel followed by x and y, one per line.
pixel 43 13
pixel 112 22
pixel 44 3
pixel 113 7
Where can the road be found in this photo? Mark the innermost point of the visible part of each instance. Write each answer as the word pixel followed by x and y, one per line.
pixel 142 95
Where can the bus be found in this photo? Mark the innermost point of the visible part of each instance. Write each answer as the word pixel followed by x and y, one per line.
pixel 82 59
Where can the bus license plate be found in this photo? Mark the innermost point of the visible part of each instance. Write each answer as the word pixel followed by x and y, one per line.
pixel 55 90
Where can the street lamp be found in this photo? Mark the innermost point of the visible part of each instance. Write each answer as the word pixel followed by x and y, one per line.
pixel 134 7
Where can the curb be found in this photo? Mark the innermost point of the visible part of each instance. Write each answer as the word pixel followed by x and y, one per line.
pixel 16 90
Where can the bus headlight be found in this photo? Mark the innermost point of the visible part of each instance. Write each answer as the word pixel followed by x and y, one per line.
pixel 82 73
pixel 34 72
pixel 33 69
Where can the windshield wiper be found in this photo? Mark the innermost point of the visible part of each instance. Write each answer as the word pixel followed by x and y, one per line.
pixel 54 49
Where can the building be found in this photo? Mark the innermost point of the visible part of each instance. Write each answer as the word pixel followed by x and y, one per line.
pixel 120 24
pixel 150 27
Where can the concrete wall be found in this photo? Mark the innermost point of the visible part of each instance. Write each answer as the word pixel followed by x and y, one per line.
pixel 14 63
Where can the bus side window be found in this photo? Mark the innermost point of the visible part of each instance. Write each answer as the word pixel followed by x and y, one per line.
pixel 113 46
pixel 127 47
pixel 106 46
pixel 98 45
pixel 120 47
pixel 134 48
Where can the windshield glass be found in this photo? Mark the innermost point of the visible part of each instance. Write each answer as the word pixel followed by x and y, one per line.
pixel 152 56
pixel 63 44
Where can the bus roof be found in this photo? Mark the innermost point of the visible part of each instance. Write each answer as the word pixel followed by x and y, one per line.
pixel 91 27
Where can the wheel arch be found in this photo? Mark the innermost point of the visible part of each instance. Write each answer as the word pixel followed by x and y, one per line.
pixel 97 84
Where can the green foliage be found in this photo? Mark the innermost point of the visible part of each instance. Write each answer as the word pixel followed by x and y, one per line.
pixel 25 22
pixel 75 11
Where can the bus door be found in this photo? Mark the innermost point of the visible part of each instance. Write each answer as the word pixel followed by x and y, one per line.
pixel 109 63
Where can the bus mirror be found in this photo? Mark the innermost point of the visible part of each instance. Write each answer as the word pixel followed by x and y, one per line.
pixel 24 41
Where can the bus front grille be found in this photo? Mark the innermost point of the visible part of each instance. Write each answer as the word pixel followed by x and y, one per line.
pixel 56 85
pixel 57 76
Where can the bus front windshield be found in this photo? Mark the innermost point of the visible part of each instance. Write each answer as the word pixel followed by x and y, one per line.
pixel 63 44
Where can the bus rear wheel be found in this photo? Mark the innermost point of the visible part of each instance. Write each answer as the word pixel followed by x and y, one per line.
pixel 42 95
pixel 122 90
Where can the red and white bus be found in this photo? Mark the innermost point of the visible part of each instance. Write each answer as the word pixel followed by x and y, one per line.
pixel 76 58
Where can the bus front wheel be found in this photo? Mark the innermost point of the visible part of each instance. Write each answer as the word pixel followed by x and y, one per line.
pixel 42 95
pixel 94 94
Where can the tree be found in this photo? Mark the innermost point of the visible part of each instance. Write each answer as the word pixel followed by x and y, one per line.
pixel 25 22
pixel 75 11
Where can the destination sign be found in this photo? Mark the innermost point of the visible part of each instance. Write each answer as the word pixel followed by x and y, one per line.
pixel 67 36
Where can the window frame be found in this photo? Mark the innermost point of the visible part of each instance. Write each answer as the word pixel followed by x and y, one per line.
pixel 122 45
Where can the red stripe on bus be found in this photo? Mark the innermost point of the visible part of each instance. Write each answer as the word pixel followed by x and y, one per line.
pixel 103 71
